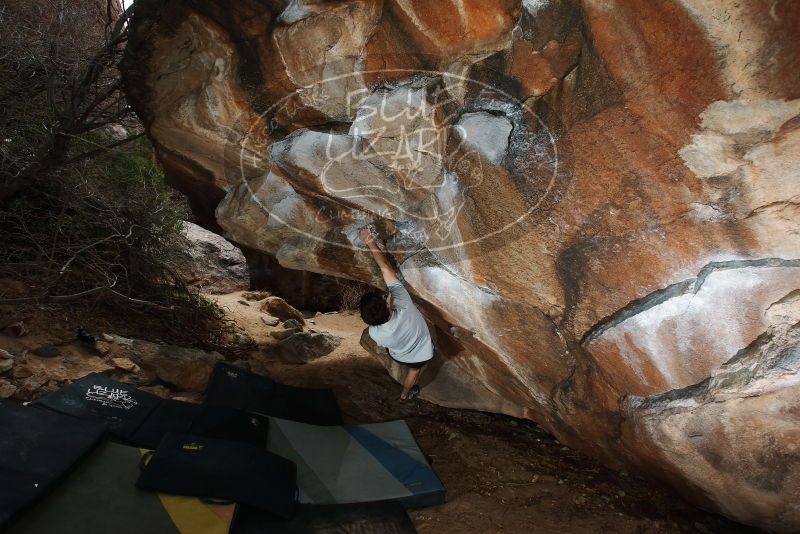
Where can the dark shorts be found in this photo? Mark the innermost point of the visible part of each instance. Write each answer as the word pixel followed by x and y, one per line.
pixel 414 365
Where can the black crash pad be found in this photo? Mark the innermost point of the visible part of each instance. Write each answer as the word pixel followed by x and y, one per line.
pixel 223 470
pixel 121 407
pixel 137 418
pixel 37 448
pixel 237 388
pixel 201 420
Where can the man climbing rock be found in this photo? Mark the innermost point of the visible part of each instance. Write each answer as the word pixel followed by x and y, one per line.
pixel 395 322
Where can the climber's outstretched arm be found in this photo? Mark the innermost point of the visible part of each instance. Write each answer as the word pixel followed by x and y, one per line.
pixel 368 236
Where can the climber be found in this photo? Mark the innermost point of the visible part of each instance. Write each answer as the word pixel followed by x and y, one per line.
pixel 395 322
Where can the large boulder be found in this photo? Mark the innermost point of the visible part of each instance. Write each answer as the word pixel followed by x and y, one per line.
pixel 595 203
pixel 209 262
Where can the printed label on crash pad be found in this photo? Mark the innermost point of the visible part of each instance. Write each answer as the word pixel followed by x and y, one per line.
pixel 113 397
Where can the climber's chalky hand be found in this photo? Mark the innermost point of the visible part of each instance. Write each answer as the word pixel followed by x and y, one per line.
pixel 367 235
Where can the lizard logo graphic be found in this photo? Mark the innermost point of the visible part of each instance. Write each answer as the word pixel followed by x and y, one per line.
pixel 419 153
pixel 113 397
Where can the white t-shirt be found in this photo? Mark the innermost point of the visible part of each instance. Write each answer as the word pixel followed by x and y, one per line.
pixel 406 333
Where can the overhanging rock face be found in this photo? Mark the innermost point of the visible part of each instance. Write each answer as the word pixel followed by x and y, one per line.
pixel 596 203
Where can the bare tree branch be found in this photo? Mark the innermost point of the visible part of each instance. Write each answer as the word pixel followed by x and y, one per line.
pixel 102 149
pixel 87 293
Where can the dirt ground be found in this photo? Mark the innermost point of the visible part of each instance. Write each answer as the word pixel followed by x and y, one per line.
pixel 501 474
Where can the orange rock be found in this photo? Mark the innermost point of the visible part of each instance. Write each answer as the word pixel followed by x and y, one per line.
pixel 445 30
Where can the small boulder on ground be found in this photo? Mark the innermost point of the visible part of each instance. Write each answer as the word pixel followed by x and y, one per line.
pixel 242 339
pixel 7 389
pixel 6 361
pixel 307 346
pixel 125 364
pixel 103 347
pixel 21 371
pixel 28 388
pixel 47 351
pixel 270 320
pixel 277 307
pixel 293 324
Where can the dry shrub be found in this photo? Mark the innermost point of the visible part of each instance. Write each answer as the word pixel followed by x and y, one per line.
pixel 350 293
pixel 101 235
pixel 86 221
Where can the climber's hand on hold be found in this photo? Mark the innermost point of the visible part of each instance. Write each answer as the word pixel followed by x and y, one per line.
pixel 367 234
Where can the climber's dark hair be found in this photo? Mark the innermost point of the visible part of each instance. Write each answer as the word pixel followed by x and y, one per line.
pixel 373 308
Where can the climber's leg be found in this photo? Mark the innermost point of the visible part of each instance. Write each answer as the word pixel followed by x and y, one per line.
pixel 411 379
